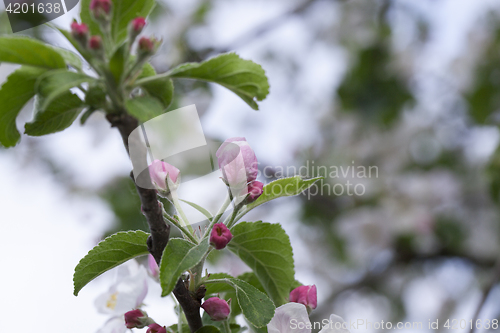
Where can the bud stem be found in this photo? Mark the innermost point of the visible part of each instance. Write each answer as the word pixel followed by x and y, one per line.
pixel 241 213
pixel 230 221
pixel 183 217
pixel 227 327
pixel 217 216
pixel 179 226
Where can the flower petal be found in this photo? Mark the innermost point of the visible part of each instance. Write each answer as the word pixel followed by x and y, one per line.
pixel 335 325
pixel 114 325
pixel 291 317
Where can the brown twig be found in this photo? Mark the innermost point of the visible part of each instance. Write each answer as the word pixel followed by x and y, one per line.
pixel 160 230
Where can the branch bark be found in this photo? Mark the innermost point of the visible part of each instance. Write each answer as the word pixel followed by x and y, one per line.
pixel 160 230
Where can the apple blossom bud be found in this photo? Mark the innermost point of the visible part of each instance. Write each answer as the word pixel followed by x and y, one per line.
pixel 147 46
pixel 135 28
pixel 158 170
pixel 216 308
pixel 255 190
pixel 137 319
pixel 155 328
pixel 306 295
pixel 95 43
pixel 100 9
pixel 80 32
pixel 220 236
pixel 138 24
pixel 237 162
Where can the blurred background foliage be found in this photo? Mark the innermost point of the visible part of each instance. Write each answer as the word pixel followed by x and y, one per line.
pixel 422 241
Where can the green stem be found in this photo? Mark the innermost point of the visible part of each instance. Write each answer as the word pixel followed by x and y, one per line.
pixel 197 272
pixel 184 219
pixel 242 213
pixel 179 322
pixel 227 327
pixel 180 227
pixel 230 221
pixel 217 216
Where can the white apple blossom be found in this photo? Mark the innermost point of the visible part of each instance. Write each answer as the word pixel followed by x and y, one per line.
pixel 293 318
pixel 127 293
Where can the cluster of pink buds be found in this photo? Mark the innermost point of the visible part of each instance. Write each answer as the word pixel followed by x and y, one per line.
pixel 218 309
pixel 101 11
pixel 80 32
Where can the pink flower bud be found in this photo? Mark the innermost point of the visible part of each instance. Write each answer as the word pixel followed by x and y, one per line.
pixel 237 162
pixel 255 190
pixel 95 43
pixel 216 308
pixel 138 24
pixel 159 170
pixel 220 236
pixel 155 328
pixel 136 319
pixel 306 295
pixel 147 46
pixel 100 8
pixel 79 31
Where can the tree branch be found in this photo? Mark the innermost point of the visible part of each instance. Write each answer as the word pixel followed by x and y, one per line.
pixel 160 230
pixel 487 290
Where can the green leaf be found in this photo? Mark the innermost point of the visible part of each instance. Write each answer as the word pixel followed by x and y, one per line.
pixel 284 187
pixel 85 54
pixel 254 329
pixel 111 252
pixel 96 96
pixel 243 77
pixel 86 115
pixel 27 51
pixel 213 289
pixel 117 63
pixel 216 288
pixel 161 87
pixel 124 11
pixel 144 108
pixel 58 115
pixel 14 94
pixel 252 279
pixel 53 84
pixel 208 322
pixel 208 329
pixel 266 249
pixel 70 58
pixel 173 328
pixel 257 308
pixel 178 257
pixel 200 209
